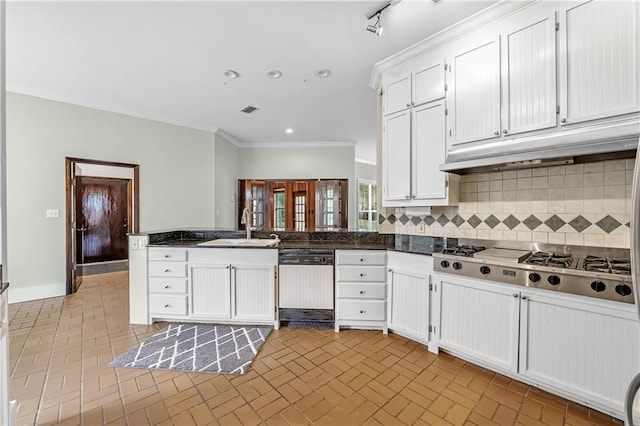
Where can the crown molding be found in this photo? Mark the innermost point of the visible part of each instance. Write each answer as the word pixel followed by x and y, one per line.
pixel 132 113
pixel 229 137
pixel 447 35
pixel 315 144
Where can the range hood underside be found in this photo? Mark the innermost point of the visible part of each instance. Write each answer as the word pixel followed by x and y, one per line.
pixel 590 143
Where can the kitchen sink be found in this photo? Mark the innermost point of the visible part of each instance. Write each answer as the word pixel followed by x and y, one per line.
pixel 241 242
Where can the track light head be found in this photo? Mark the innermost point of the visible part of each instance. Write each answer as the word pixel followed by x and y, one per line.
pixel 377 27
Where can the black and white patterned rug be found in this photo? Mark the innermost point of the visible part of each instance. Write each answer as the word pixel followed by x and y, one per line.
pixel 197 348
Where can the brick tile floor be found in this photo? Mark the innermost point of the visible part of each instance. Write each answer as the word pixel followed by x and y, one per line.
pixel 60 349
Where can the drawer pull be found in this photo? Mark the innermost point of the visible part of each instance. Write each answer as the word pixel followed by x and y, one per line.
pixel 167 270
pixel 167 256
pixel 167 287
pixel 362 260
pixel 362 312
pixel 167 306
pixel 361 291
pixel 362 274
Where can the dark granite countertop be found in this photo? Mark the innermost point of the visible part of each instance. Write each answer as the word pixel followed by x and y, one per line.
pixel 3 287
pixel 309 240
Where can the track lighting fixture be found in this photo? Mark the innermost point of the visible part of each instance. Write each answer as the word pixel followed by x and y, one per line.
pixel 377 27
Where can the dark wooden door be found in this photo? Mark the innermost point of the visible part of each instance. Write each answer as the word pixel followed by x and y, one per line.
pixel 102 219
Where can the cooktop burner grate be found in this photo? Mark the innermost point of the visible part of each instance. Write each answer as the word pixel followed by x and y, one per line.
pixel 557 260
pixel 466 251
pixel 603 264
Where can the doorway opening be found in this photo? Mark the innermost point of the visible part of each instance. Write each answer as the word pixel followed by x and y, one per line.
pixel 101 209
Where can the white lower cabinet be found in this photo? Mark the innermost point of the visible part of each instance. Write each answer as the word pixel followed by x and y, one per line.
pixel 481 321
pixel 588 349
pixel 360 289
pixel 408 282
pixel 581 348
pixel 226 285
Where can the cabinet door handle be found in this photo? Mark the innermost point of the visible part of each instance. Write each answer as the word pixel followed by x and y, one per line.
pixel 563 120
pixel 406 197
pixel 413 103
pixel 167 270
pixel 496 133
pixel 515 294
pixel 167 306
pixel 167 287
pixel 167 256
pixel 523 297
pixel 408 105
pixel 504 131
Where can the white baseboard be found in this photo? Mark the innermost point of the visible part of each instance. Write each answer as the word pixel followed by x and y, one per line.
pixel 35 292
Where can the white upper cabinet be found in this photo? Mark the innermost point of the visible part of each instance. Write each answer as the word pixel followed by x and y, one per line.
pixel 599 60
pixel 414 83
pixel 475 91
pixel 429 148
pixel 414 136
pixel 397 90
pixel 396 171
pixel 529 72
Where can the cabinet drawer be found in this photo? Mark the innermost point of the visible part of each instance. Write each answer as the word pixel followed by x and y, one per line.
pixel 362 291
pixel 361 273
pixel 168 304
pixel 168 254
pixel 167 269
pixel 366 310
pixel 167 285
pixel 361 257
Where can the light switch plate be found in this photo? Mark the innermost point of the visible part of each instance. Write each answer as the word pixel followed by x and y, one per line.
pixel 53 213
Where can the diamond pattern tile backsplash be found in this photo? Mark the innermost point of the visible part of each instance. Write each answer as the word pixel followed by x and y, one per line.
pixel 579 204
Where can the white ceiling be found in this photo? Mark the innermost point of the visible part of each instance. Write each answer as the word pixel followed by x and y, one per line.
pixel 164 60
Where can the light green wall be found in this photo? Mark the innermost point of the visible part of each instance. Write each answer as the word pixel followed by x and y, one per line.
pixel 331 162
pixel 176 180
pixel 227 161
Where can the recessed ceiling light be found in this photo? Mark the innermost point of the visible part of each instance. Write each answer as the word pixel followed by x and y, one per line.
pixel 289 131
pixel 274 74
pixel 324 73
pixel 230 74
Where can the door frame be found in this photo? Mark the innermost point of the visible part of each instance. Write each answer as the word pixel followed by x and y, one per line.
pixel 70 167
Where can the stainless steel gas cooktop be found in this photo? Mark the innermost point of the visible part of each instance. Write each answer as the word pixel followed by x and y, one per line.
pixel 594 272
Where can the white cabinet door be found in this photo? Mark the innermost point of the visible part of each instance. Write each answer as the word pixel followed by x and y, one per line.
pixel 480 320
pixel 396 164
pixel 253 292
pixel 396 90
pixel 599 60
pixel 429 140
pixel 529 72
pixel 427 80
pixel 589 349
pixel 409 303
pixel 210 291
pixel 475 92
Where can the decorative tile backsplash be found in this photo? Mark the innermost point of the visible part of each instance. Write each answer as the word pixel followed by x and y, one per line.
pixel 579 204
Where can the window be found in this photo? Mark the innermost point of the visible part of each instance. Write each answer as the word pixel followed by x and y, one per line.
pixel 299 219
pixel 256 204
pixel 367 205
pixel 279 211
pixel 328 208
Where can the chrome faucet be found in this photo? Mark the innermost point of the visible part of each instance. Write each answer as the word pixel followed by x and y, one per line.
pixel 274 236
pixel 246 221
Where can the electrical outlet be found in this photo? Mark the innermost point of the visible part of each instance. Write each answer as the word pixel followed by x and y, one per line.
pixel 134 244
pixel 53 213
pixel 420 229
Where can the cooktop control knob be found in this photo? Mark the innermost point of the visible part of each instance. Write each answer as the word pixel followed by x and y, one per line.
pixel 457 265
pixel 553 279
pixel 598 286
pixel 484 270
pixel 534 277
pixel 623 289
pixel 444 263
